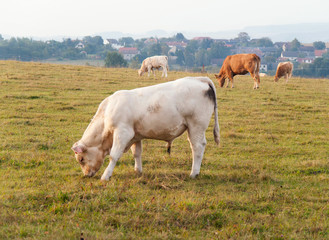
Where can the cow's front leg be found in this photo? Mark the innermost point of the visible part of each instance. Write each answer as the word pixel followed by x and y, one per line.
pixel 198 143
pixel 227 83
pixel 149 71
pixel 230 80
pixel 136 149
pixel 121 139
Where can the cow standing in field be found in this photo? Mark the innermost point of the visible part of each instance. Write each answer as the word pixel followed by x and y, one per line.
pixel 162 112
pixel 239 64
pixel 155 62
pixel 284 69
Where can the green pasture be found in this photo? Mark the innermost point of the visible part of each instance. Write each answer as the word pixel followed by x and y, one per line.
pixel 269 179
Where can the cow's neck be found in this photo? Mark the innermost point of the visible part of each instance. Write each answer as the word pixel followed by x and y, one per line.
pixel 93 135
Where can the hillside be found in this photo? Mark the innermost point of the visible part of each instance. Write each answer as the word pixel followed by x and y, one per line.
pixel 304 32
pixel 268 179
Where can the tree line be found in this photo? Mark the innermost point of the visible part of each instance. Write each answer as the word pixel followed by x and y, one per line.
pixel 27 49
pixel 193 55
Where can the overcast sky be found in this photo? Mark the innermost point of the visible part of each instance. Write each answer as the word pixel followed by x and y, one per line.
pixel 43 18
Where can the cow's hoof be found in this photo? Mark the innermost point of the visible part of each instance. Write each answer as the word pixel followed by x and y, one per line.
pixel 138 172
pixel 105 178
pixel 193 176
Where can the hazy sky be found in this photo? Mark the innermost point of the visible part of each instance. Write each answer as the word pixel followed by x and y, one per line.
pixel 80 18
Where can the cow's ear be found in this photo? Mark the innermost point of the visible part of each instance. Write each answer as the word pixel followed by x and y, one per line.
pixel 216 76
pixel 79 148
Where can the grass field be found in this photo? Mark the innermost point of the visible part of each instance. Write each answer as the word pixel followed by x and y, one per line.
pixel 269 179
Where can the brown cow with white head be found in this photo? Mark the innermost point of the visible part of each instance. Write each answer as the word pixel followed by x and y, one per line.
pixel 284 69
pixel 239 64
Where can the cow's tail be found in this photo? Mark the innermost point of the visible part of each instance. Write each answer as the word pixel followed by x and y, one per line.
pixel 167 64
pixel 257 65
pixel 216 125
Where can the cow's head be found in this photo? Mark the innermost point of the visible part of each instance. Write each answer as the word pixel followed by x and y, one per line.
pixel 89 158
pixel 140 72
pixel 276 79
pixel 221 79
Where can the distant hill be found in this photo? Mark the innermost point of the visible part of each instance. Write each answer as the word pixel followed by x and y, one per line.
pixel 306 33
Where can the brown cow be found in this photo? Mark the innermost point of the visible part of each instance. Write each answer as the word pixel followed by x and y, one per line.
pixel 284 69
pixel 239 64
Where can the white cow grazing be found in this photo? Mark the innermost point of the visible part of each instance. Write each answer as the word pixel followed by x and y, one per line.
pixel 161 112
pixel 152 63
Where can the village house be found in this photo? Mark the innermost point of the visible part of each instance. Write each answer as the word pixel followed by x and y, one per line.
pixel 200 39
pixel 319 53
pixel 178 45
pixel 305 60
pixel 263 67
pixel 128 52
pixel 151 41
pixel 80 45
pixel 242 50
pixel 114 43
pixel 289 55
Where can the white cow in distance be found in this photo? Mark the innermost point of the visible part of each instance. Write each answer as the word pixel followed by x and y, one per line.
pixel 155 62
pixel 162 112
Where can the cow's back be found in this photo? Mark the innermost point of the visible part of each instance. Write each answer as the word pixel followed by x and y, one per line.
pixel 241 63
pixel 161 111
pixel 283 69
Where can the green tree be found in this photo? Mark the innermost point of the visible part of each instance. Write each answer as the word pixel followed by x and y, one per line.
pixel 295 45
pixel 192 46
pixel 180 37
pixel 201 57
pixel 180 57
pixel 326 55
pixel 206 43
pixel 264 42
pixel 155 49
pixel 319 45
pixel 164 49
pixel 270 59
pixel 127 41
pixel 97 40
pixel 218 50
pixel 115 59
pixel 243 38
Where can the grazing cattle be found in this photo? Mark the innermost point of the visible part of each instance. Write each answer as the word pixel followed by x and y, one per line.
pixel 239 64
pixel 161 112
pixel 284 69
pixel 152 63
pixel 262 74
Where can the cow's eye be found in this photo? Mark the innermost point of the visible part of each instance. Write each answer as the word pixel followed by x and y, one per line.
pixel 81 160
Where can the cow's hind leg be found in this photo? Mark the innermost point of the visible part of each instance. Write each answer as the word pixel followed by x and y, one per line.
pixel 121 138
pixel 169 147
pixel 256 80
pixel 198 143
pixel 136 149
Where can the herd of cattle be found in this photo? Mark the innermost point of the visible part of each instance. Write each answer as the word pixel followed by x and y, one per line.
pixel 239 64
pixel 162 112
